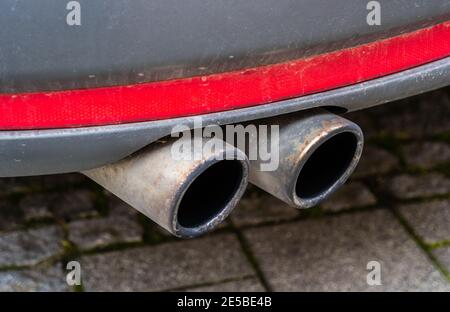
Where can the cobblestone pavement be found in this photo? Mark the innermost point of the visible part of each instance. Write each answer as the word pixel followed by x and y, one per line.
pixel 395 210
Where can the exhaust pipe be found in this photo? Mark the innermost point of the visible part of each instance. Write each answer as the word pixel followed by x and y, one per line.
pixel 186 197
pixel 318 151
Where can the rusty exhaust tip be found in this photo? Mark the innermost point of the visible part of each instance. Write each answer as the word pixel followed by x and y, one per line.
pixel 318 151
pixel 210 197
pixel 326 166
pixel 187 197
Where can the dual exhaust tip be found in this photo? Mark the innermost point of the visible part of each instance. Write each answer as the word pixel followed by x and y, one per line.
pixel 318 151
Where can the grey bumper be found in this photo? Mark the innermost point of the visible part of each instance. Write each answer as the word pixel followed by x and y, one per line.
pixel 38 152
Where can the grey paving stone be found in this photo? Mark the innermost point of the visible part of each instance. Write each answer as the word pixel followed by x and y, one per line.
pixel 354 194
pixel 406 186
pixel 97 233
pixel 426 155
pixel 331 254
pixel 258 207
pixel 375 161
pixel 430 220
pixel 26 248
pixel 244 285
pixel 10 216
pixel 37 207
pixel 167 266
pixel 32 280
pixel 10 186
pixel 422 116
pixel 75 204
pixel 443 257
pixel 5 186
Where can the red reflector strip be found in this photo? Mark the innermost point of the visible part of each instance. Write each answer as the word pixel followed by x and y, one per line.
pixel 224 91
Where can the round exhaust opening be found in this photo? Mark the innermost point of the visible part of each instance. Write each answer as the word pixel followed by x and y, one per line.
pixel 326 165
pixel 209 194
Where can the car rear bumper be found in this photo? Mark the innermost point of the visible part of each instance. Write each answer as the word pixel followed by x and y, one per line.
pixel 35 152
